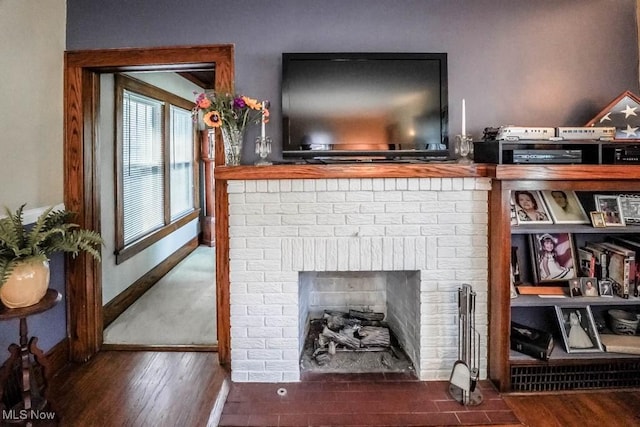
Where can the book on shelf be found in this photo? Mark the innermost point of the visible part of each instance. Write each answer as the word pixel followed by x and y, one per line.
pixel 622 266
pixel 531 341
pixel 628 344
pixel 600 256
pixel 634 245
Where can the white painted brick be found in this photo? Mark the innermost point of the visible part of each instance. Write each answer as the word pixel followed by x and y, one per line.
pixel 343 255
pixel 402 207
pixel 283 231
pixel 305 219
pixel 264 332
pixel 448 196
pixel 282 343
pixel 387 196
pixel 238 354
pixel 264 310
pixel 366 184
pixel 445 184
pixel 264 354
pixel 345 208
pixel 371 230
pixel 419 196
pixel 435 230
pixel 436 184
pixel 378 184
pixel 244 231
pixel 308 255
pixel 455 218
pixel 359 219
pixel 264 287
pixel 282 365
pixel 271 220
pixel 290 310
pixel 332 254
pixel 265 377
pixel 263 265
pixel 280 208
pixel 238 333
pixel 354 185
pixel 297 197
pixel 315 208
pixel 263 198
pixel 289 332
pixel 309 185
pixel 316 231
pixel 262 186
pixel 469 183
pixel 281 321
pixel 245 254
pixel 249 185
pixel 346 231
pixel 238 310
pixel 418 218
pixel 359 196
pixel 235 187
pixel 245 299
pixel 281 299
pixel 388 219
pixel 297 185
pixel 246 321
pixel 292 377
pixel 320 251
pixel 402 230
pixel 457 184
pixel 343 184
pixel 354 254
pixel 331 219
pixel 238 376
pixel 389 184
pixel 483 184
pixel 286 275
pixel 438 207
pixel 237 198
pixel 321 185
pixel 332 185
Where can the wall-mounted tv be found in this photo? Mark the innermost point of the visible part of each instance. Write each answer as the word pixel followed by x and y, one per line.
pixel 377 105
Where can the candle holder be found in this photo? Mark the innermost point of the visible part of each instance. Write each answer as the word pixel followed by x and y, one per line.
pixel 263 148
pixel 463 148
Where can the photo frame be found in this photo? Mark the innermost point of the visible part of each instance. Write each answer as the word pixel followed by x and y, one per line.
pixel 578 329
pixel 630 208
pixel 530 208
pixel 589 287
pixel 565 207
pixel 609 205
pixel 605 287
pixel 574 288
pixel 597 219
pixel 553 257
pixel 614 115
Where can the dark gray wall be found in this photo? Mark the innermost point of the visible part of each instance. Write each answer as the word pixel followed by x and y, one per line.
pixel 521 62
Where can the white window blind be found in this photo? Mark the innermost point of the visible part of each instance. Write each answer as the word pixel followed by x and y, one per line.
pixel 181 159
pixel 143 166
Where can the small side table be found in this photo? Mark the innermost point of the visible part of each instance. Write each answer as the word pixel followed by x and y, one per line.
pixel 29 356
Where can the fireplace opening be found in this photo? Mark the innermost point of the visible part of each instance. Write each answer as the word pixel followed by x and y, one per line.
pixel 359 322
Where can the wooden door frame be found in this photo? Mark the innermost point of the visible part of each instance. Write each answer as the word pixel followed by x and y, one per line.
pixel 82 70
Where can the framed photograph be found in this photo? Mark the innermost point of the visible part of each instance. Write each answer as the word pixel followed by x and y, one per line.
pixel 530 208
pixel 609 205
pixel 565 207
pixel 578 329
pixel 597 219
pixel 589 286
pixel 574 288
pixel 630 207
pixel 606 288
pixel 553 257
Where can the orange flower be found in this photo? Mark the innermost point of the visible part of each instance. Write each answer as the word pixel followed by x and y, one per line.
pixel 213 119
pixel 252 103
pixel 204 103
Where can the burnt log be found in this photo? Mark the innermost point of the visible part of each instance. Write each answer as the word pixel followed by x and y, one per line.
pixel 341 339
pixel 374 336
pixel 336 321
pixel 370 316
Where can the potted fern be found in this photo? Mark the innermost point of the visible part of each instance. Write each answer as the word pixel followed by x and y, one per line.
pixel 25 252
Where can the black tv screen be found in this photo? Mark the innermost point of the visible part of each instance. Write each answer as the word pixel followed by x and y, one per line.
pixel 386 105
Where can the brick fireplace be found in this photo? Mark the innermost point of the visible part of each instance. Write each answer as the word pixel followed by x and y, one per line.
pixel 434 229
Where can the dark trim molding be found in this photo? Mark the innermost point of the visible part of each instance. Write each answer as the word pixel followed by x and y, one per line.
pixel 122 301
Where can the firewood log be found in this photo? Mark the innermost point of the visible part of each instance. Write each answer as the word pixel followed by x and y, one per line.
pixel 344 340
pixel 374 336
pixel 366 315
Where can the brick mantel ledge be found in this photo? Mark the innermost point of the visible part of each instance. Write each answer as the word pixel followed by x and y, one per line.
pixel 429 170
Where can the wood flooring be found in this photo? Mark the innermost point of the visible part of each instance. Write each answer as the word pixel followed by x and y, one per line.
pixel 166 389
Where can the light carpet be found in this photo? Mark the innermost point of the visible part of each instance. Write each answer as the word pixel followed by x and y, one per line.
pixel 178 310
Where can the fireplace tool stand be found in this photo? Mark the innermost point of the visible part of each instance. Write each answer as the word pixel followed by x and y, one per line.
pixel 465 372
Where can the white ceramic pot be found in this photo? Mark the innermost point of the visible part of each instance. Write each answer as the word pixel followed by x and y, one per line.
pixel 27 284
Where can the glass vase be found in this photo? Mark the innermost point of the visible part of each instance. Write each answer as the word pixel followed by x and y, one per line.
pixel 232 138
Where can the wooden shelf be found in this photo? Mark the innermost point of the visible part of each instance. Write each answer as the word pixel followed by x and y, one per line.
pixel 573 228
pixel 536 301
pixel 559 355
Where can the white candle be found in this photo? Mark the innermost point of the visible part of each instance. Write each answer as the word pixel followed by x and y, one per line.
pixel 464 118
pixel 262 127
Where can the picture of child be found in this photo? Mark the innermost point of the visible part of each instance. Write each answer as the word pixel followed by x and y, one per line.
pixel 555 259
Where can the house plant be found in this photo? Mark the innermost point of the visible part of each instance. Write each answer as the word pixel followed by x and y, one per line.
pixel 25 252
pixel 232 114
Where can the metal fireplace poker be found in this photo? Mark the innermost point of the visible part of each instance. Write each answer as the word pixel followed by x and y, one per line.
pixel 465 372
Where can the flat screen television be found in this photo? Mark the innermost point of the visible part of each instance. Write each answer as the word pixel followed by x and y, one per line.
pixel 366 105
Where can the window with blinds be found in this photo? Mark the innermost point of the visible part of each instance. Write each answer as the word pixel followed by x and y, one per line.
pixel 155 160
pixel 142 166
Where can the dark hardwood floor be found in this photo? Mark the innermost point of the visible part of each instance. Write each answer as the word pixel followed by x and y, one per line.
pixel 138 389
pixel 143 388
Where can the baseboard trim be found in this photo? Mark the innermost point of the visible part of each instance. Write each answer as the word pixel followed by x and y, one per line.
pixel 58 357
pixel 120 303
pixel 154 347
pixel 216 412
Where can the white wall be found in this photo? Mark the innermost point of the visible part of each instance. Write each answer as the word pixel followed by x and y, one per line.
pixel 32 43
